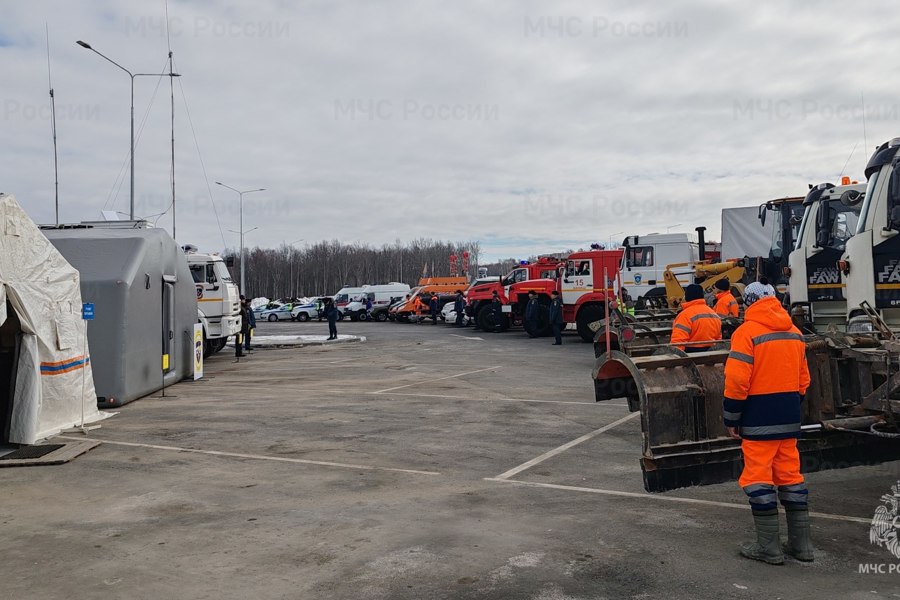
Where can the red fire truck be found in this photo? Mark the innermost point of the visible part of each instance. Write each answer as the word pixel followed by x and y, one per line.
pixel 578 279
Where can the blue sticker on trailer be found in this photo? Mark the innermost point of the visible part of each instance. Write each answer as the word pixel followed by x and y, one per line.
pixel 87 311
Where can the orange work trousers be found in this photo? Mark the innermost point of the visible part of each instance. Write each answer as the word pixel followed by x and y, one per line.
pixel 775 462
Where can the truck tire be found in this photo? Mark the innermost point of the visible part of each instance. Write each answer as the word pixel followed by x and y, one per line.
pixel 543 328
pixel 362 316
pixel 303 317
pixel 381 317
pixel 221 345
pixel 486 322
pixel 588 314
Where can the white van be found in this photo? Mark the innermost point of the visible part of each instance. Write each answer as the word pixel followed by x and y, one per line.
pixel 382 296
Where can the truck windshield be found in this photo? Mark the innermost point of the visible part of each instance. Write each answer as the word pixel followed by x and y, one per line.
pixel 515 276
pixel 807 216
pixel 221 271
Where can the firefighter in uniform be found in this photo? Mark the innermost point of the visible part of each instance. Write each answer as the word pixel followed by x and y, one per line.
pixel 696 322
pixel 726 305
pixel 766 377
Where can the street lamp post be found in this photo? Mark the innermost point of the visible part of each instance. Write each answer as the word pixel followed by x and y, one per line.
pixel 132 76
pixel 609 240
pixel 672 226
pixel 241 225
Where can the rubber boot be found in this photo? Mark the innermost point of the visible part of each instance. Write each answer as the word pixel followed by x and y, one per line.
pixel 767 547
pixel 799 544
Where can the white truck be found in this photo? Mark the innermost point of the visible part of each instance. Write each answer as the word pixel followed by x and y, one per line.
pixel 646 256
pixel 218 299
pixel 830 218
pixel 870 265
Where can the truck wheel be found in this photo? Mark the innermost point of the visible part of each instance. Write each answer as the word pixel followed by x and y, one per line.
pixel 487 323
pixel 363 316
pixel 221 345
pixel 587 315
pixel 302 317
pixel 209 346
pixel 381 317
pixel 273 318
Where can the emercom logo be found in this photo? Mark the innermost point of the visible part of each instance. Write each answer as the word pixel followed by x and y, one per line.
pixel 884 532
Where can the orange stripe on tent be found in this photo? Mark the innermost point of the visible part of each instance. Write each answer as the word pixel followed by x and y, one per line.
pixel 62 362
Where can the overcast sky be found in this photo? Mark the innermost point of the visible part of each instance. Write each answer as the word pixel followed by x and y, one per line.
pixel 530 126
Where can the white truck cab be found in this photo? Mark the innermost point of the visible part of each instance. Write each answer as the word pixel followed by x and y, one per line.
pixel 830 218
pixel 218 299
pixel 645 259
pixel 870 265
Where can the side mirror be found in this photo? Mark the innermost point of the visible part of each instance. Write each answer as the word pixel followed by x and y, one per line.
pixel 851 197
pixel 823 238
pixel 762 215
pixel 795 220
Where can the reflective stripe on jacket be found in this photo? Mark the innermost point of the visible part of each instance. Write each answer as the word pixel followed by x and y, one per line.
pixel 766 374
pixel 726 305
pixel 696 323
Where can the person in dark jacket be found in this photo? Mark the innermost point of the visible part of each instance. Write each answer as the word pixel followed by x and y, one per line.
pixel 556 318
pixel 497 311
pixel 459 305
pixel 368 308
pixel 252 319
pixel 331 313
pixel 532 311
pixel 244 331
pixel 433 307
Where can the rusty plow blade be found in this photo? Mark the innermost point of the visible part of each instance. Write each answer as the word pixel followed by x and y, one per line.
pixel 683 437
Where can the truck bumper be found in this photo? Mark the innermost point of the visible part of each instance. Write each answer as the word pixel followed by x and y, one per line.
pixel 226 327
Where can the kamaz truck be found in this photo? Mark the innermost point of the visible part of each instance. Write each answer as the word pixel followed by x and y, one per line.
pixel 218 299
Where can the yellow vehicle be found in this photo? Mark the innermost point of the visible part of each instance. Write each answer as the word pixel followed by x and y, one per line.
pixel 705 274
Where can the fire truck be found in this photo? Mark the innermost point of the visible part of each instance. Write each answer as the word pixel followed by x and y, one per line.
pixel 579 279
pixel 479 297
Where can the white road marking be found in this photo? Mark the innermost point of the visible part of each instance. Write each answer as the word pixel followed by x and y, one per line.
pixel 400 387
pixel 646 496
pixel 321 463
pixel 467 337
pixel 550 454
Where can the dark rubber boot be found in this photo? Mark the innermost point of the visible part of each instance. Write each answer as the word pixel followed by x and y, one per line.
pixel 799 544
pixel 767 547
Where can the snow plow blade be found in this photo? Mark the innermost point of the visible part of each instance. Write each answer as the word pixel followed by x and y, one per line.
pixel 848 412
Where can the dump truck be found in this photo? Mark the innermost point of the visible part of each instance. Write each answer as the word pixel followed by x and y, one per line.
pixel 818 298
pixel 218 299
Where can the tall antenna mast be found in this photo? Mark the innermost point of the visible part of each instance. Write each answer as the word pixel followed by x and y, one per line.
pixel 53 129
pixel 172 101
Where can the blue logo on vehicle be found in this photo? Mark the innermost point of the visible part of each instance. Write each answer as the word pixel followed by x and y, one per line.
pixel 637 278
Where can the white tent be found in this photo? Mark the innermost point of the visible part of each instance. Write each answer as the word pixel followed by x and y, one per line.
pixel 46 382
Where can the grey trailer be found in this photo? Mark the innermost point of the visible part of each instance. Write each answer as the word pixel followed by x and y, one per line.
pixel 145 305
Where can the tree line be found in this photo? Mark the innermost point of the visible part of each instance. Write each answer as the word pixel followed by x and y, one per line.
pixel 325 267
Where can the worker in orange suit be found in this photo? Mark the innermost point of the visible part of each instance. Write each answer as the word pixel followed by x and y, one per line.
pixel 766 377
pixel 726 305
pixel 696 322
